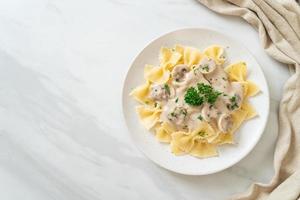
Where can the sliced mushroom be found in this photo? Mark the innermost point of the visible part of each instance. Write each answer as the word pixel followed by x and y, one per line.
pixel 161 92
pixel 179 72
pixel 225 122
pixel 209 112
pixel 206 66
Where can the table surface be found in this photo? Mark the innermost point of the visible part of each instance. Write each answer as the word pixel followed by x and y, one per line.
pixel 62 134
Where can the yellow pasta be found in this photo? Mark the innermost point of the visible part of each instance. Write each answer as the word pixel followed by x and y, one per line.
pixel 169 57
pixel 203 149
pixel 246 106
pixel 149 116
pixel 224 138
pixel 238 117
pixel 141 94
pixel 215 52
pixel 237 71
pixel 191 56
pixel 196 143
pixel 155 74
pixel 163 132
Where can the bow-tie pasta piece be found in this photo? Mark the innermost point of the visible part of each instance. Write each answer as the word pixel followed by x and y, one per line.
pixel 155 74
pixel 191 56
pixel 195 141
pixel 180 49
pixel 203 149
pixel 141 94
pixel 224 138
pixel 149 116
pixel 183 141
pixel 248 108
pixel 251 89
pixel 163 132
pixel 217 53
pixel 238 116
pixel 168 58
pixel 237 71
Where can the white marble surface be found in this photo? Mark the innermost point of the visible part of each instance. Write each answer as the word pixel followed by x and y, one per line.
pixel 62 136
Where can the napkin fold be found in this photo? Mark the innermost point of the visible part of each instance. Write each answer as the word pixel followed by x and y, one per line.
pixel 278 25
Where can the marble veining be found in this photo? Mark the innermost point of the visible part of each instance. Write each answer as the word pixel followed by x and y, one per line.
pixel 62 134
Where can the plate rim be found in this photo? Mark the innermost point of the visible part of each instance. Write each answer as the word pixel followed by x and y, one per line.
pixel 247 152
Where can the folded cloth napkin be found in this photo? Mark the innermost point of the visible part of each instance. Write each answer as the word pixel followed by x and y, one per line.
pixel 278 25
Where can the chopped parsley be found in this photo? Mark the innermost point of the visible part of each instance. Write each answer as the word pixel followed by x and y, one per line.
pixel 196 96
pixel 200 117
pixel 176 100
pixel 205 67
pixel 183 111
pixel 234 103
pixel 155 104
pixel 208 92
pixel 192 97
pixel 167 88
pixel 202 133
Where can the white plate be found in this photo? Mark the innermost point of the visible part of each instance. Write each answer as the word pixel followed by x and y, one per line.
pixel 246 137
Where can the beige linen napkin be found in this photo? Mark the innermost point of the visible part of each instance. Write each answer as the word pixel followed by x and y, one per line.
pixel 278 25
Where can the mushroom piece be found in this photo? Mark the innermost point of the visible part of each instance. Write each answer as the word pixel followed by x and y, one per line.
pixel 206 66
pixel 161 92
pixel 208 112
pixel 225 122
pixel 179 71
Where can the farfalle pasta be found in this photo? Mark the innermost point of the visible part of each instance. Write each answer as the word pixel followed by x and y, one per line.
pixel 192 102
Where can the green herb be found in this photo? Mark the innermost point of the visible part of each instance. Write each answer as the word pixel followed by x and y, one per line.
pixel 233 101
pixel 155 104
pixel 234 106
pixel 202 133
pixel 173 114
pixel 192 97
pixel 200 117
pixel 202 93
pixel 225 79
pixel 208 92
pixel 146 102
pixel 205 67
pixel 183 111
pixel 176 100
pixel 233 98
pixel 167 88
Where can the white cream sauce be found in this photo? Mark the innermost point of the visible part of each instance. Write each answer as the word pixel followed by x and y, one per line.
pixel 186 117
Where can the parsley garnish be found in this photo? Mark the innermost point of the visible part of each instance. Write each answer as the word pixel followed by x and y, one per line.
pixel 234 104
pixel 176 100
pixel 205 67
pixel 202 133
pixel 208 92
pixel 167 88
pixel 200 117
pixel 202 93
pixel 192 97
